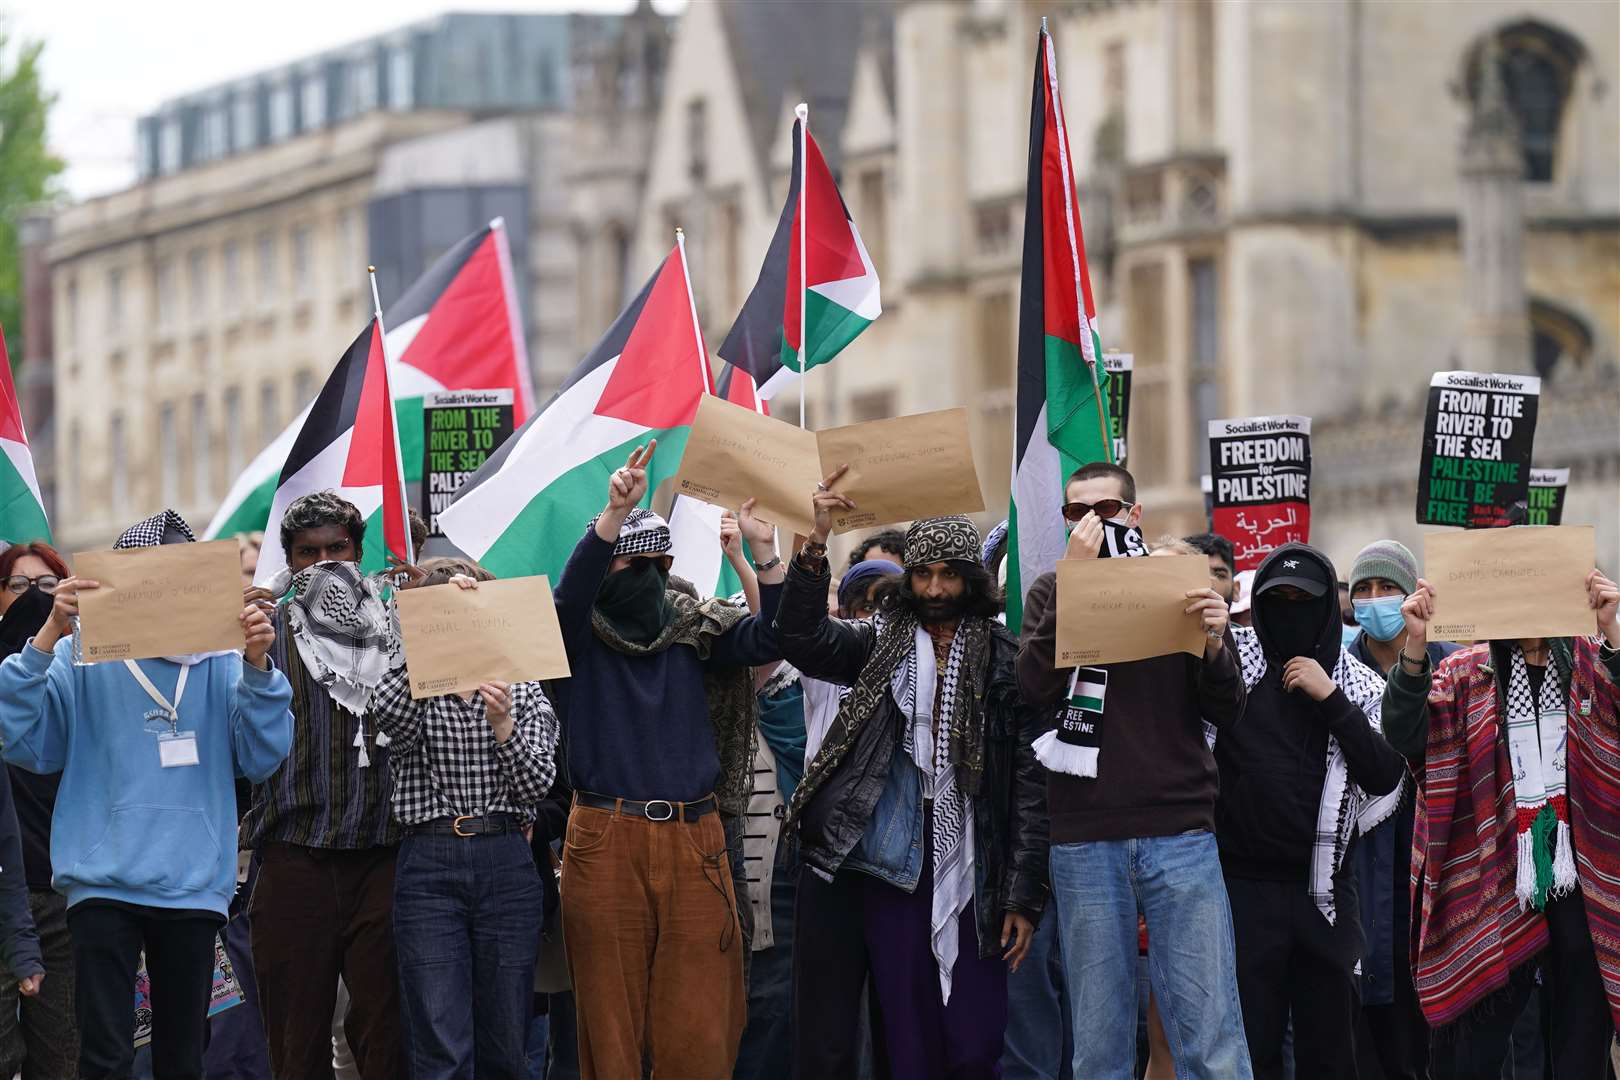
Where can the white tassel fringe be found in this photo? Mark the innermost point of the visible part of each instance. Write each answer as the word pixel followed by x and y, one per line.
pixel 1563 863
pixel 1525 886
pixel 1063 757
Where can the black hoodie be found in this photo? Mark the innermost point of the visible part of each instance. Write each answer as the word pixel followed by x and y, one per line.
pixel 1272 766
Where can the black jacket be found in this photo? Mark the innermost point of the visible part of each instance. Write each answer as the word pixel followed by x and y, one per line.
pixel 1009 813
pixel 1273 764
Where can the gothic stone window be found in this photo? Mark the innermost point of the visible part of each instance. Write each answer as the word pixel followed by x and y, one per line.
pixel 1538 65
pixel 1557 338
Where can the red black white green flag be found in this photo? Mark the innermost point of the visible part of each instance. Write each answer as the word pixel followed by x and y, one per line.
pixel 349 444
pixel 769 340
pixel 22 510
pixel 526 508
pixel 1061 419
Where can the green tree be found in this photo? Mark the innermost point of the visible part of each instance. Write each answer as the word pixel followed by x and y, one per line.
pixel 27 167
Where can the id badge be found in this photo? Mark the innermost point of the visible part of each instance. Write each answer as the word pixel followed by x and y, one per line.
pixel 177 748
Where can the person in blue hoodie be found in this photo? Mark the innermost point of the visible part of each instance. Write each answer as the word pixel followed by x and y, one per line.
pixel 143 836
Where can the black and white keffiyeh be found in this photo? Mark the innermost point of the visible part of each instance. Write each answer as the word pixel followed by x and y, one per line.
pixel 1344 808
pixel 924 693
pixel 643 533
pixel 347 636
pixel 150 533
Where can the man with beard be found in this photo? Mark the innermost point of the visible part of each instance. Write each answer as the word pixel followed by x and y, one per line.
pixel 1515 746
pixel 920 817
pixel 1296 777
pixel 1131 788
pixel 322 907
pixel 658 723
pixel 1222 570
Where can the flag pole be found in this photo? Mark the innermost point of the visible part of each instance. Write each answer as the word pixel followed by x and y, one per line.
pixel 691 303
pixel 802 111
pixel 393 420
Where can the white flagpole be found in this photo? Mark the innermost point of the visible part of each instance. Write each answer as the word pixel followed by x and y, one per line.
pixel 393 418
pixel 803 113
pixel 691 302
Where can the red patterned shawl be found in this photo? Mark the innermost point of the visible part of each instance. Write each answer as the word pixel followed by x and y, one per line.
pixel 1467 932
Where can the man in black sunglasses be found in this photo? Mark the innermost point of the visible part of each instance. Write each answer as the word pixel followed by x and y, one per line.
pixel 1132 822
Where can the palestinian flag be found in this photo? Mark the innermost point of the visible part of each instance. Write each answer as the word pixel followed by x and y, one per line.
pixel 842 300
pixel 1062 411
pixel 22 511
pixel 349 444
pixel 695 526
pixel 526 508
pixel 458 327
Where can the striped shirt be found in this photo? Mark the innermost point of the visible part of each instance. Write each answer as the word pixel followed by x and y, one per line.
pixel 321 797
pixel 445 758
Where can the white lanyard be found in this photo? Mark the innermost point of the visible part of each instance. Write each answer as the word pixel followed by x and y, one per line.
pixel 179 691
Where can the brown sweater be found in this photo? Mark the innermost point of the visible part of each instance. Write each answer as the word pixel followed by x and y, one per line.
pixel 1155 773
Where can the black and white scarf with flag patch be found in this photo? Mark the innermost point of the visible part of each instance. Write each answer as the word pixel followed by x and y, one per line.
pixel 1074 746
pixel 1344 808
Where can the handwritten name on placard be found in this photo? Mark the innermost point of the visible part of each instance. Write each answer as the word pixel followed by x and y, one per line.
pixel 503 631
pixel 1114 610
pixel 734 454
pixel 160 601
pixel 903 468
pixel 1493 584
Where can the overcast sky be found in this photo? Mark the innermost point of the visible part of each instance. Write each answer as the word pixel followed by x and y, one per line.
pixel 111 62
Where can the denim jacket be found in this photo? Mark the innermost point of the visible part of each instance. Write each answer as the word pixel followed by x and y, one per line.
pixel 891 847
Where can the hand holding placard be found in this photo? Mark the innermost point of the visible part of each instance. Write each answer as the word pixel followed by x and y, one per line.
pixel 1114 610
pixel 1499 584
pixel 461 639
pixel 160 601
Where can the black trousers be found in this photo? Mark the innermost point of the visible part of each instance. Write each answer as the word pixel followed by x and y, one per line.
pixel 1292 962
pixel 107 942
pixel 1574 1007
pixel 1392 1042
pixel 836 1034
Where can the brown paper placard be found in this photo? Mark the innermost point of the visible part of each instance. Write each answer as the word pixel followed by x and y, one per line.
pixel 903 469
pixel 503 631
pixel 160 601
pixel 1113 610
pixel 734 454
pixel 1496 584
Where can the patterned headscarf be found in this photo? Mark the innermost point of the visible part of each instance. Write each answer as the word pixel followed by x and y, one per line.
pixel 347 636
pixel 941 539
pixel 643 533
pixel 149 533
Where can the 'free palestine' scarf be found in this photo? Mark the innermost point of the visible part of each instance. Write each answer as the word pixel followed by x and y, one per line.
pixel 1537 729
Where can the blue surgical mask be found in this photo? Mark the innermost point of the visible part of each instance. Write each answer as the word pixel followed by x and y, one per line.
pixel 1381 618
pixel 1347 635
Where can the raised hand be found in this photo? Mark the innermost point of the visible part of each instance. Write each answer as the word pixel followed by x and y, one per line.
pixel 1212 613
pixel 761 535
pixel 731 537
pixel 1086 539
pixel 1604 597
pixel 258 634
pixel 1417 610
pixel 498 708
pixel 627 485
pixel 825 502
pixel 64 609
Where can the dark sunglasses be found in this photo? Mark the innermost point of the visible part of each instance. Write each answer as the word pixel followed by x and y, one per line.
pixel 1104 508
pixel 19 584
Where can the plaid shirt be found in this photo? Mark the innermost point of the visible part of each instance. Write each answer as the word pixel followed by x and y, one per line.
pixel 446 761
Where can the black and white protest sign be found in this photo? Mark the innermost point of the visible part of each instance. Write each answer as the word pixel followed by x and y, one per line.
pixel 1477 437
pixel 1545 503
pixel 1118 366
pixel 1260 469
pixel 460 429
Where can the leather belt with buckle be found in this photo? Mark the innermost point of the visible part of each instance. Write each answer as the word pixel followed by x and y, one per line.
pixel 469 825
pixel 651 809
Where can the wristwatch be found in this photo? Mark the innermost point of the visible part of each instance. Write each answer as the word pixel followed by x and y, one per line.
pixel 762 567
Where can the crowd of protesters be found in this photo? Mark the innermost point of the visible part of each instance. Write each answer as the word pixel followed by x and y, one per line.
pixel 833 826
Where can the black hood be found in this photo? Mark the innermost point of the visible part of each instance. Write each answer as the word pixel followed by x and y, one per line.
pixel 1320 627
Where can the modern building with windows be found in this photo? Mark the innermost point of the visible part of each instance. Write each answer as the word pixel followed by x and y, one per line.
pixel 196 313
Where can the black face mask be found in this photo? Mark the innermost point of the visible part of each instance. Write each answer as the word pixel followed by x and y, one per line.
pixel 1294 627
pixel 635 601
pixel 1121 541
pixel 23 619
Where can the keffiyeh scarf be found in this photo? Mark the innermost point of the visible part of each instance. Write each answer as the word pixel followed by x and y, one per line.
pixel 1344 808
pixel 1537 730
pixel 149 533
pixel 923 692
pixel 347 636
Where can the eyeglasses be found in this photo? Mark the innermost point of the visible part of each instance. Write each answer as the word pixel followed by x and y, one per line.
pixel 1103 508
pixel 19 584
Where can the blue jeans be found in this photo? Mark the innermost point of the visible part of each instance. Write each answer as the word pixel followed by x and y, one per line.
pixel 1037 1010
pixel 467 916
pixel 1176 883
pixel 539 1036
pixel 766 1052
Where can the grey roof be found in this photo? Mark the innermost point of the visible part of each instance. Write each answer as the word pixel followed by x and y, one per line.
pixel 799 48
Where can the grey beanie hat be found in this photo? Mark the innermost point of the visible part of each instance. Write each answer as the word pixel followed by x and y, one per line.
pixel 1387 559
